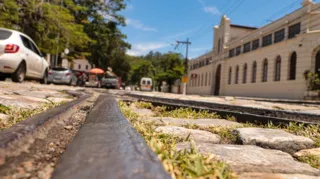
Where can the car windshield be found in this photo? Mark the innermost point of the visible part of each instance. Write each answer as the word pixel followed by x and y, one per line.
pixel 59 69
pixel 4 34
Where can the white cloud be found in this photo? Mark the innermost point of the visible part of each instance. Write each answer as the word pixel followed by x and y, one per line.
pixel 139 25
pixel 144 48
pixel 211 10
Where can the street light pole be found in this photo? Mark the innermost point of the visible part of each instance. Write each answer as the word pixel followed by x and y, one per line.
pixel 185 77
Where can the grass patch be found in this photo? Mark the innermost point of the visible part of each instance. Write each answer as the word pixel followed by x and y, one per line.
pixel 179 164
pixel 18 115
pixel 143 105
pixel 4 109
pixel 185 113
pixel 231 118
pixel 312 160
pixel 189 113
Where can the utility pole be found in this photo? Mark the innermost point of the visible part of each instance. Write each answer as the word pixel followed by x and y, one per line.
pixel 58 38
pixel 185 77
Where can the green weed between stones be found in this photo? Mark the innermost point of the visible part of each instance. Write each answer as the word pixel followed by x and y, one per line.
pixel 312 160
pixel 18 115
pixel 189 113
pixel 4 109
pixel 185 113
pixel 143 105
pixel 179 164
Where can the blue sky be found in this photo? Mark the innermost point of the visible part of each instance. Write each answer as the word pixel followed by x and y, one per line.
pixel 157 24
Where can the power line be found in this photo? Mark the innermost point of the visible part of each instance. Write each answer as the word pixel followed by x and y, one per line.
pixel 240 2
pixel 206 24
pixel 230 11
pixel 280 11
pixel 235 7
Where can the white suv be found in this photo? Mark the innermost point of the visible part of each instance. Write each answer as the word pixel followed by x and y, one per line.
pixel 20 58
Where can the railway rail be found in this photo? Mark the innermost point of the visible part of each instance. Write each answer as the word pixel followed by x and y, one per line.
pixel 242 113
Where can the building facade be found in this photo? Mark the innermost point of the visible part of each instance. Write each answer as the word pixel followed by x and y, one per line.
pixel 82 65
pixel 265 62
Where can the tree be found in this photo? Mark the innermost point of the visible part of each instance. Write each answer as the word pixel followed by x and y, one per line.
pixel 107 45
pixel 50 24
pixel 9 14
pixel 160 67
pixel 170 69
pixel 143 69
pixel 89 28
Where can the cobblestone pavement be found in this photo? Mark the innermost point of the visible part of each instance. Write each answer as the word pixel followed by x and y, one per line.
pixel 31 95
pixel 249 102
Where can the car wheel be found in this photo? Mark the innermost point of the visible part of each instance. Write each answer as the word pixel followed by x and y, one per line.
pixel 2 78
pixel 20 73
pixel 44 79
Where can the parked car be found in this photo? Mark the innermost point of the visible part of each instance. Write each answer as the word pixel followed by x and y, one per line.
pixel 20 58
pixel 93 81
pixel 109 81
pixel 60 75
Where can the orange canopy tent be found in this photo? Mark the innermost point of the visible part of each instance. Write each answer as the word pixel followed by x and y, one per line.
pixel 96 71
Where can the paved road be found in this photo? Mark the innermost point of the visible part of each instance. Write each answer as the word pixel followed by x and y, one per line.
pixel 31 95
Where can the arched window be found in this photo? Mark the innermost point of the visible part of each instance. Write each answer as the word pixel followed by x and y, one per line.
pixel 202 79
pixel 277 74
pixel 244 79
pixel 209 78
pixel 222 42
pixel 254 72
pixel 293 66
pixel 237 75
pixel 206 82
pixel 219 45
pixel 198 80
pixel 265 71
pixel 192 81
pixel 230 75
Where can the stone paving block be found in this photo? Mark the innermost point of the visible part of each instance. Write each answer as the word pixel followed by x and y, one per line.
pixel 273 139
pixel 250 158
pixel 196 135
pixel 142 112
pixel 199 122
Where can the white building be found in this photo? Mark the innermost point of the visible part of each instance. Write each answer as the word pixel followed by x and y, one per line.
pixel 260 62
pixel 82 65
